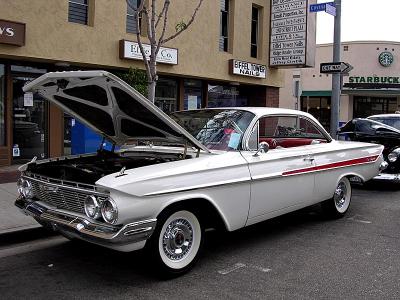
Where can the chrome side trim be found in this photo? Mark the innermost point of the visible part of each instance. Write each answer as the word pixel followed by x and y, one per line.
pixel 201 186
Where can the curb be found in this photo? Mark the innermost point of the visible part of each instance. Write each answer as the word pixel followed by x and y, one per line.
pixel 25 234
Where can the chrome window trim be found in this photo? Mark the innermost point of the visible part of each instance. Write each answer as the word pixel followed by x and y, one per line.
pixel 246 137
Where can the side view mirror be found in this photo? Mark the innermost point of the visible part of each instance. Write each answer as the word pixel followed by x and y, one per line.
pixel 263 147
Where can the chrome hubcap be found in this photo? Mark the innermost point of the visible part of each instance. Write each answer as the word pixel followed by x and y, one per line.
pixel 340 195
pixel 177 239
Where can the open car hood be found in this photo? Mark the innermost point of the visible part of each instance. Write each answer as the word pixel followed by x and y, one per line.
pixel 110 107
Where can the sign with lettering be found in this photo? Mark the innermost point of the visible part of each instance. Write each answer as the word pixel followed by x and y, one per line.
pixel 131 50
pixel 12 33
pixel 335 67
pixel 292 40
pixel 244 68
pixel 375 79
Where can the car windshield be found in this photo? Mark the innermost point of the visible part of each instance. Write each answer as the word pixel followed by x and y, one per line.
pixel 393 122
pixel 215 128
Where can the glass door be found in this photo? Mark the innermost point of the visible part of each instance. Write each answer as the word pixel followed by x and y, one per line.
pixel 29 119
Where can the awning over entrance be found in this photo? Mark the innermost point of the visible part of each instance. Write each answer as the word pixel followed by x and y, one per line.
pixel 316 94
pixel 372 92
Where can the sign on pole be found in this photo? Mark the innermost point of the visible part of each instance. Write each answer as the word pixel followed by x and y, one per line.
pixel 335 68
pixel 328 7
pixel 292 38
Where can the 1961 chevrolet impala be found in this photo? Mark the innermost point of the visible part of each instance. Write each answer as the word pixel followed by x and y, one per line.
pixel 172 177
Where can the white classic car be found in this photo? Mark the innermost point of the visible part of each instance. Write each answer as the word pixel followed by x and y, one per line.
pixel 173 176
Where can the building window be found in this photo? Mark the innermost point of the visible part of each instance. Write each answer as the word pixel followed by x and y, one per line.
pixel 166 95
pixel 366 106
pixel 226 96
pixel 2 106
pixel 192 94
pixel 224 30
pixel 319 107
pixel 78 11
pixel 254 31
pixel 131 26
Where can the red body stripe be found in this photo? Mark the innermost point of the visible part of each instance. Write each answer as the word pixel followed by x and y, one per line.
pixel 340 164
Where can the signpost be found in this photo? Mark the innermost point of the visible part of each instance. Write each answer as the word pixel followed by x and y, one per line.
pixel 334 9
pixel 335 68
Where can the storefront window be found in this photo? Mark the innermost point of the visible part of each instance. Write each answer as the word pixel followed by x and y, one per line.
pixel 2 111
pixel 166 95
pixel 319 107
pixel 367 106
pixel 226 96
pixel 193 94
pixel 30 135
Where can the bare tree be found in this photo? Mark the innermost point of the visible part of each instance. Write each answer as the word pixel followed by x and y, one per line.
pixel 156 34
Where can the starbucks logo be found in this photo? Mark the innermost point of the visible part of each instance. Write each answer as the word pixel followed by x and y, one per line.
pixel 386 59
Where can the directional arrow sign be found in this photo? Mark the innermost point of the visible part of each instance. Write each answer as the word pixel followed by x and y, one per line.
pixel 335 67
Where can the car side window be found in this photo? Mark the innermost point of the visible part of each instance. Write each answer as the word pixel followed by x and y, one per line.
pixel 309 130
pixel 286 132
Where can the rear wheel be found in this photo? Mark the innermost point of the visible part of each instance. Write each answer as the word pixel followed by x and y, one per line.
pixel 176 243
pixel 338 205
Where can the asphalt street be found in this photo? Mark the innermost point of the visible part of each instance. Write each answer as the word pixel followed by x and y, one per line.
pixel 298 256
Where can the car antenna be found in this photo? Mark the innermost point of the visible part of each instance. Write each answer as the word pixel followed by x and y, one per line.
pixel 102 144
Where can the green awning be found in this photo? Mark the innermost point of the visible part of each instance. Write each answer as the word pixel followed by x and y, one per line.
pixel 316 94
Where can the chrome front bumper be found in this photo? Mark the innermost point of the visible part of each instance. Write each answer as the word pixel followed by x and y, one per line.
pixel 77 226
pixel 387 177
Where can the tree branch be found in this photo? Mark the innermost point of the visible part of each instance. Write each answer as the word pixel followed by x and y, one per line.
pixel 185 27
pixel 167 2
pixel 162 12
pixel 139 40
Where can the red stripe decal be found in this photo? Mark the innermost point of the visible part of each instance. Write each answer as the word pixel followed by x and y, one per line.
pixel 340 164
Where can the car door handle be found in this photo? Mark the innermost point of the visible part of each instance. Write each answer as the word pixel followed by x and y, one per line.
pixel 309 158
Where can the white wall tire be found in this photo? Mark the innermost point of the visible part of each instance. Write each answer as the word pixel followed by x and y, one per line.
pixel 339 204
pixel 176 242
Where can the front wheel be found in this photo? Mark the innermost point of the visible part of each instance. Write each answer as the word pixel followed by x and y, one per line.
pixel 176 243
pixel 338 205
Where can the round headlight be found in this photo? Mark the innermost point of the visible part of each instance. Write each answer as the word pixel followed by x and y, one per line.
pixel 109 211
pixel 393 156
pixel 92 207
pixel 25 188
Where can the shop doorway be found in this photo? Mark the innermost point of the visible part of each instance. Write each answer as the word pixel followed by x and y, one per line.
pixel 319 108
pixel 30 110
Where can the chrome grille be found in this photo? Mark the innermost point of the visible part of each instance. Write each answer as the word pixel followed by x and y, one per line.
pixel 62 194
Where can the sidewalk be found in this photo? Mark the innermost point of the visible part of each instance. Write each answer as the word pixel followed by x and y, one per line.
pixel 11 218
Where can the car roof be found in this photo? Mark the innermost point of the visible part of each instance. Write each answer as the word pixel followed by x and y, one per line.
pixel 385 116
pixel 262 111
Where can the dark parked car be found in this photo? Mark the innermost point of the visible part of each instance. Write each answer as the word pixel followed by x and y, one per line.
pixel 380 129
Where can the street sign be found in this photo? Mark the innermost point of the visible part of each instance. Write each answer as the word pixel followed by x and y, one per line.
pixel 335 67
pixel 328 7
pixel 317 7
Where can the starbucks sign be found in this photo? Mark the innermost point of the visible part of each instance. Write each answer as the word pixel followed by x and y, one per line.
pixel 386 59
